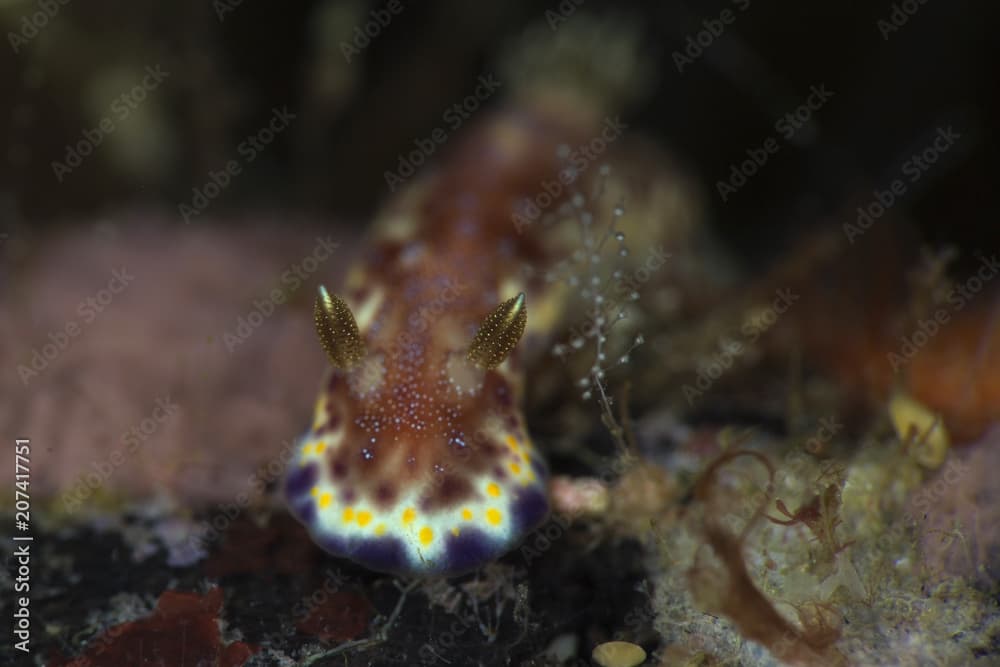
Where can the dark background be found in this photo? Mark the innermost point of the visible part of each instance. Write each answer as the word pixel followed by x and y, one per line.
pixel 355 119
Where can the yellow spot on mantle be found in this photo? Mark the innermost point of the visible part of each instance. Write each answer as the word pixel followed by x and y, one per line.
pixel 467 514
pixel 512 443
pixel 348 514
pixel 409 514
pixel 364 518
pixel 516 469
pixel 380 530
pixel 455 532
pixel 493 489
pixel 493 516
pixel 426 535
pixel 314 491
pixel 320 447
pixel 324 500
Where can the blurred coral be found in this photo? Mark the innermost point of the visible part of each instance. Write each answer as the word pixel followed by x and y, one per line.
pixel 172 336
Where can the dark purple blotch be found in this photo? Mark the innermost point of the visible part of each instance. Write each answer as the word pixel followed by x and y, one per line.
pixel 469 550
pixel 300 481
pixel 383 554
pixel 529 510
pixel 305 511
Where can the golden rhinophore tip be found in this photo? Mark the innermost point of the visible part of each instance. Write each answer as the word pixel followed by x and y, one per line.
pixel 337 330
pixel 499 333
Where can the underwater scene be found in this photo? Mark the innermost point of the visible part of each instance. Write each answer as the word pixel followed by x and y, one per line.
pixel 570 333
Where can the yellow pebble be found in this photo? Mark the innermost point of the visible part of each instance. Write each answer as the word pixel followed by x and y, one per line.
pixel 618 654
pixel 921 428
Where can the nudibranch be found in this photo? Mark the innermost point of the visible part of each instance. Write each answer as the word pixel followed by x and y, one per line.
pixel 418 461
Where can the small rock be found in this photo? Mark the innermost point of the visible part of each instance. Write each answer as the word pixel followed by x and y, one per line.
pixel 618 654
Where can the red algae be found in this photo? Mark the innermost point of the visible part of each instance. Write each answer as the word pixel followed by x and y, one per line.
pixel 729 589
pixel 182 630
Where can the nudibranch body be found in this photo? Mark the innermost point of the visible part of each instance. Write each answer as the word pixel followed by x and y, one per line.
pixel 418 460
